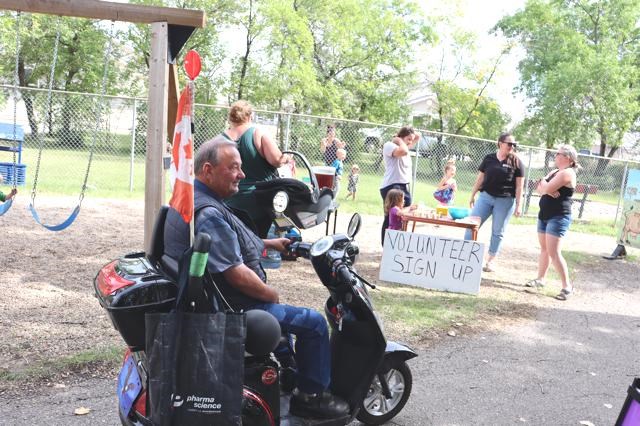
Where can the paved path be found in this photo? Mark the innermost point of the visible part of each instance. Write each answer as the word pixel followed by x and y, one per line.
pixel 572 364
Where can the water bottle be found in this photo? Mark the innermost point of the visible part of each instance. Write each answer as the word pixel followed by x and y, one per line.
pixel 293 234
pixel 271 258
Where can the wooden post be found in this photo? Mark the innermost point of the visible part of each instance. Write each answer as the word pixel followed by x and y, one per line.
pixel 157 128
pixel 174 97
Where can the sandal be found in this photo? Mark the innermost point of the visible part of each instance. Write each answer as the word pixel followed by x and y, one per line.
pixel 536 283
pixel 488 268
pixel 564 294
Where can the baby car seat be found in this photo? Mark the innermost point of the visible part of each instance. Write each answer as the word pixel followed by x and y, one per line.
pixel 307 208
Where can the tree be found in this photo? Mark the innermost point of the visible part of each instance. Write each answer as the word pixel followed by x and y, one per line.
pixel 79 65
pixel 213 78
pixel 361 55
pixel 347 59
pixel 581 68
pixel 459 80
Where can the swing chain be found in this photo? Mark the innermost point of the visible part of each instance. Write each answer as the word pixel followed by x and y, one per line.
pixel 16 83
pixel 50 89
pixel 105 74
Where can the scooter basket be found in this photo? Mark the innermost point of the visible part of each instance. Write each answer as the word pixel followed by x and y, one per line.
pixel 630 413
pixel 129 288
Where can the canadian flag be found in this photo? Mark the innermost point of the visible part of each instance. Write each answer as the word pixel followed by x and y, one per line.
pixel 181 170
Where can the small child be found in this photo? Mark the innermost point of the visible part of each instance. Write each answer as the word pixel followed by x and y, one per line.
pixel 4 197
pixel 393 204
pixel 338 164
pixel 354 176
pixel 447 187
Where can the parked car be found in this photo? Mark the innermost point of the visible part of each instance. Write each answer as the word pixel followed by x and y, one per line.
pixel 372 139
pixel 428 146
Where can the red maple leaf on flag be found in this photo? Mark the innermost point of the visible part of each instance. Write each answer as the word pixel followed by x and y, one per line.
pixel 182 159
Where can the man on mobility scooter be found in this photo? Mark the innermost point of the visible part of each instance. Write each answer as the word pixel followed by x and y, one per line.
pixel 234 265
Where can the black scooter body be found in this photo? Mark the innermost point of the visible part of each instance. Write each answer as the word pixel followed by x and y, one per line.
pixel 361 355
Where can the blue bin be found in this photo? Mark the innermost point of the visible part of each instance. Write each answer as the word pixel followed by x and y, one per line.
pixel 8 171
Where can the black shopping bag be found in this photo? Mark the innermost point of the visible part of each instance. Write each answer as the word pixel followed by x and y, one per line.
pixel 196 367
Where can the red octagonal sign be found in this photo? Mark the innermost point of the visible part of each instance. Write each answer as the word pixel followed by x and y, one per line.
pixel 192 64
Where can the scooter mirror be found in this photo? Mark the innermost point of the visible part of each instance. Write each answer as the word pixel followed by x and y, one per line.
pixel 354 225
pixel 280 201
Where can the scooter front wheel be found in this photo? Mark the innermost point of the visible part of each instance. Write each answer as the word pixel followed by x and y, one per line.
pixel 376 407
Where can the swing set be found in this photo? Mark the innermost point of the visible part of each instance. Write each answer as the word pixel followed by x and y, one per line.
pixel 170 29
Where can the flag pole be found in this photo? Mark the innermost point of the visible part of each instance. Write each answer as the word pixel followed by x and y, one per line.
pixel 192 66
pixel 192 102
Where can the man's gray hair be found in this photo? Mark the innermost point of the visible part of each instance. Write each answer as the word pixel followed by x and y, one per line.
pixel 208 152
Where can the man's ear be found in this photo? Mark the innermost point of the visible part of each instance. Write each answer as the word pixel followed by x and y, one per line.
pixel 205 172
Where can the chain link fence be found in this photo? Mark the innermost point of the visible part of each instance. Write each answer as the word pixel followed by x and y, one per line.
pixel 68 130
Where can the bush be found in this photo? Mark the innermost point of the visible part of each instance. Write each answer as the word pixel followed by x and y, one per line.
pixel 70 139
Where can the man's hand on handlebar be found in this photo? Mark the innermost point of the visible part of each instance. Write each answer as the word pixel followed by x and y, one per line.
pixel 279 244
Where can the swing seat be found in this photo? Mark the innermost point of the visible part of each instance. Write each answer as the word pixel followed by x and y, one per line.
pixel 9 170
pixel 12 143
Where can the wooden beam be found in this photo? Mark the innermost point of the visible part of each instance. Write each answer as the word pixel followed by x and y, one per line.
pixel 174 98
pixel 112 11
pixel 156 128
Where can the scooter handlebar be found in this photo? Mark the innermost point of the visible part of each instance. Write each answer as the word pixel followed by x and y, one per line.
pixel 343 273
pixel 300 249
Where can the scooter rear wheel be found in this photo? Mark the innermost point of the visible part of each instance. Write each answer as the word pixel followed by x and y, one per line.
pixel 376 409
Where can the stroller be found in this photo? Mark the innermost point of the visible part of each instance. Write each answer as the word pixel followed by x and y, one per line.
pixel 308 205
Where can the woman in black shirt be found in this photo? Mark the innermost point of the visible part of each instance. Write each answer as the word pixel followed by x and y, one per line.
pixel 500 182
pixel 554 218
pixel 330 145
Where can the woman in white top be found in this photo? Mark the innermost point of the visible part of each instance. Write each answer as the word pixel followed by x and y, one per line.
pixel 397 167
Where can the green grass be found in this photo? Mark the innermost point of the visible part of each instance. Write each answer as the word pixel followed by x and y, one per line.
pixel 53 367
pixel 62 172
pixel 418 309
pixel 414 310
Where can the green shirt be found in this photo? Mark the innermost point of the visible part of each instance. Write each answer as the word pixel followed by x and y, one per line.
pixel 255 167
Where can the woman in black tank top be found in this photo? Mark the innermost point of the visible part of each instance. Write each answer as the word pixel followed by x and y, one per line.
pixel 554 218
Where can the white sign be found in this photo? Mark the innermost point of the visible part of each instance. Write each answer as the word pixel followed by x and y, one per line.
pixel 432 262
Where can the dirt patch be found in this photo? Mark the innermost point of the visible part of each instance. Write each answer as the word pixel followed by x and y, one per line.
pixel 48 309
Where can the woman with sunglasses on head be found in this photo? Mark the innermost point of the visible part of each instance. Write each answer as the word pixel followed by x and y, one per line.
pixel 554 218
pixel 261 158
pixel 500 182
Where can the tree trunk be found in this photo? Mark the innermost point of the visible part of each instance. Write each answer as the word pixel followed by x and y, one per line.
pixel 28 104
pixel 26 97
pixel 602 164
pixel 247 52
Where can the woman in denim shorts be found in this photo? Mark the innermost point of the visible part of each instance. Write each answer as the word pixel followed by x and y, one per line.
pixel 554 218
